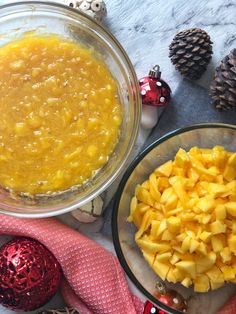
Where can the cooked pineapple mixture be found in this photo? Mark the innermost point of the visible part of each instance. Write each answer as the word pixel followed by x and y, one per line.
pixel 186 218
pixel 60 114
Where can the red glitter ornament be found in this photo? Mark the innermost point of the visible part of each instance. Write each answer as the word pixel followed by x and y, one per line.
pixel 154 91
pixel 149 308
pixel 170 298
pixel 29 274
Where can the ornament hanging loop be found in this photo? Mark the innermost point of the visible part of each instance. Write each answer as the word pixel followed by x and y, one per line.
pixel 155 72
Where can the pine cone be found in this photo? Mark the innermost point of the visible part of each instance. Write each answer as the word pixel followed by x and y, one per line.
pixel 66 310
pixel 223 87
pixel 190 52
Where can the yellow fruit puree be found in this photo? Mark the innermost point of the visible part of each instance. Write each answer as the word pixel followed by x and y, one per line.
pixel 60 114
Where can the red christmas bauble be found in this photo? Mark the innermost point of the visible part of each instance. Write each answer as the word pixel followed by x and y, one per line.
pixel 149 308
pixel 170 298
pixel 29 274
pixel 154 91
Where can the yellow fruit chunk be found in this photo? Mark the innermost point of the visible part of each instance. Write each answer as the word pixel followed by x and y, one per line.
pixel 231 208
pixel 217 189
pixel 181 193
pixel 205 262
pixel 182 158
pixel 163 257
pixel 187 282
pixel 215 275
pixel 226 255
pixel 205 236
pixel 193 175
pixel 232 160
pixel 229 173
pixel 153 247
pixel 202 248
pixel 174 258
pixel 171 276
pixel 220 212
pixel 217 227
pixel 173 224
pixel 154 229
pixel 165 169
pixel 232 243
pixel 148 257
pixel 167 236
pixel 186 244
pixel 161 269
pixel 187 267
pixel 217 244
pixel 206 204
pixel 228 272
pixel 194 244
pixel 201 284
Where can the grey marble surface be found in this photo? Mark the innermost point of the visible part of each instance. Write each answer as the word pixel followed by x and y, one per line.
pixel 145 29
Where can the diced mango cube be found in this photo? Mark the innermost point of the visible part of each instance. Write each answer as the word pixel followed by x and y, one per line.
pixel 220 212
pixel 188 267
pixel 167 236
pixel 161 269
pixel 182 158
pixel 232 243
pixel 217 244
pixel 174 258
pixel 205 262
pixel 226 255
pixel 171 276
pixel 149 257
pixel 205 236
pixel 163 257
pixel 173 224
pixel 229 173
pixel 187 282
pixel 193 245
pixel 153 247
pixel 217 227
pixel 232 160
pixel 165 169
pixel 186 244
pixel 215 275
pixel 228 272
pixel 201 284
pixel 206 204
pixel 231 208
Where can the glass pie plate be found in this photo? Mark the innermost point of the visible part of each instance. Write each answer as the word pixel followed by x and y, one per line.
pixel 129 254
pixel 42 18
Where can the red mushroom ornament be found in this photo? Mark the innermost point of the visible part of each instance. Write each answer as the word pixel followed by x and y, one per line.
pixel 149 308
pixel 155 95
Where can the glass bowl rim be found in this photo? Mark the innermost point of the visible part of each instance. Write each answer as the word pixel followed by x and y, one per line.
pixel 125 178
pixel 137 117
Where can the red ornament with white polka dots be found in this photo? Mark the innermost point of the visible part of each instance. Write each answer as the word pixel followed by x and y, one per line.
pixel 154 91
pixel 155 95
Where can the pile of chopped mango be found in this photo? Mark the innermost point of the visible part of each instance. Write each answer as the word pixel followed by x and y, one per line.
pixel 186 218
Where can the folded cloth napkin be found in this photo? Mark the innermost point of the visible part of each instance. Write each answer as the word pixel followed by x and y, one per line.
pixel 94 281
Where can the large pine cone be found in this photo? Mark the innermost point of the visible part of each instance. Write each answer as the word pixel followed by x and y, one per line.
pixel 190 52
pixel 223 87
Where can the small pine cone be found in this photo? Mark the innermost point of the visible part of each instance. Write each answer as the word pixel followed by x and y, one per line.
pixel 190 52
pixel 223 87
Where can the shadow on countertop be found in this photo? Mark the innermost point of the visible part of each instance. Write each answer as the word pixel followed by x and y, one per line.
pixel 191 104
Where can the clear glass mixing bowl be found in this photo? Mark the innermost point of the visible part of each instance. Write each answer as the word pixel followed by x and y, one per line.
pixel 130 256
pixel 51 18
